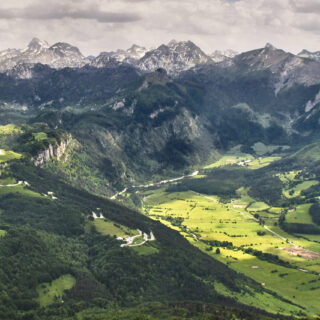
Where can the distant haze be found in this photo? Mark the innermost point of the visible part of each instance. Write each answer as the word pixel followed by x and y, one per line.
pixel 104 25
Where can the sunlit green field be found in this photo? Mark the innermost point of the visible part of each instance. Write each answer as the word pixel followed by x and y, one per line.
pixel 52 292
pixel 19 189
pixel 6 156
pixel 300 215
pixel 288 176
pixel 296 191
pixel 110 228
pixel 243 160
pixel 205 218
pixel 262 162
pixel 234 227
pixel 10 129
pixel 258 206
pixel 229 159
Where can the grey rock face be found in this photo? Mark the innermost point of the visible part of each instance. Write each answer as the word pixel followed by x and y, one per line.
pixel 52 152
pixel 220 56
pixel 287 68
pixel 174 57
pixel 310 55
pixel 58 56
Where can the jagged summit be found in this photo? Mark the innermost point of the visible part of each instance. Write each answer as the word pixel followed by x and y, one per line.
pixel 270 46
pixel 131 56
pixel 219 55
pixel 172 43
pixel 174 57
pixel 310 55
pixel 59 55
pixel 37 44
pixel 304 51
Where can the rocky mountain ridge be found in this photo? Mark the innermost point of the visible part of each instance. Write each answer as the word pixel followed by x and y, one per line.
pixel 175 57
pixel 311 55
pixel 222 55
pixel 57 56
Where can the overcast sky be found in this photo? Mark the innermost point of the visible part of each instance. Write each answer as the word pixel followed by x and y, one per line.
pixel 103 25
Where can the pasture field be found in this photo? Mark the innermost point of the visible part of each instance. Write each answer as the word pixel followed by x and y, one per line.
pixel 258 206
pixel 296 191
pixel 6 156
pixel 7 181
pixel 264 300
pixel 2 233
pixel 244 160
pixel 52 292
pixel 229 159
pixel 107 227
pixel 19 189
pixel 209 224
pixel 288 176
pixel 300 215
pixel 262 162
pixel 10 129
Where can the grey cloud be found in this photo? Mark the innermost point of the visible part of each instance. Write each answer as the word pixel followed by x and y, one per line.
pixel 66 11
pixel 310 25
pixel 309 6
pixel 101 25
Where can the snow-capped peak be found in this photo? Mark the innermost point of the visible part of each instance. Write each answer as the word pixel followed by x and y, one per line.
pixel 221 55
pixel 174 57
pixel 37 45
pixel 60 55
pixel 136 52
pixel 311 55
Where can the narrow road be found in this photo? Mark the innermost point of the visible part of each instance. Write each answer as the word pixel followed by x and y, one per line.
pixel 155 184
pixel 265 227
pixel 118 194
pixel 16 184
pixel 130 240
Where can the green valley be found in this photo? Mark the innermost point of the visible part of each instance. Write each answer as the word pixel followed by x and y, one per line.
pixel 158 184
pixel 244 233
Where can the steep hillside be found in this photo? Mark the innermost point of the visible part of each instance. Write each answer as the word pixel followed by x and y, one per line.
pixel 51 231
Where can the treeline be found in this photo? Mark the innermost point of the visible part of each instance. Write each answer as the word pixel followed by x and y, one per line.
pixel 268 257
pixel 315 213
pixel 224 182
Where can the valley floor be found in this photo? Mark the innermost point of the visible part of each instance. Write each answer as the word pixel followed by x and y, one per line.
pixel 244 234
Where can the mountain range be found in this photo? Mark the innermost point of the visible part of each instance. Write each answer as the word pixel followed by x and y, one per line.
pixel 79 133
pixel 175 94
pixel 175 57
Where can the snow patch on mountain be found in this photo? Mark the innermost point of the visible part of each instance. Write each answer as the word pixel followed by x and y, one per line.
pixel 174 57
pixel 58 56
pixel 219 55
pixel 311 104
pixel 310 55
pixel 130 56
